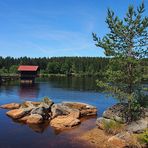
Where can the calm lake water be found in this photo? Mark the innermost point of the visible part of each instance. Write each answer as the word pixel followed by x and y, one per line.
pixel 18 135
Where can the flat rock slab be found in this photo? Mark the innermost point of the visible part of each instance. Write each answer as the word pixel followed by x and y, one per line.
pixel 85 109
pixel 10 106
pixel 34 119
pixel 63 122
pixel 16 113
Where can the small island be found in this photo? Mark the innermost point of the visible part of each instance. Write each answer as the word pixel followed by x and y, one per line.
pixel 61 116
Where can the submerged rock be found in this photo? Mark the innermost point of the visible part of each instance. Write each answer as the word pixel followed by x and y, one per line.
pixel 10 106
pixel 63 122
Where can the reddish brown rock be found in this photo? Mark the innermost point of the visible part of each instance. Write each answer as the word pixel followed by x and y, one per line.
pixel 10 106
pixel 117 142
pixel 75 113
pixel 63 122
pixel 34 119
pixel 124 139
pixel 16 113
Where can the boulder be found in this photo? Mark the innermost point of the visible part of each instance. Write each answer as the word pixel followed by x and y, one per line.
pixel 16 113
pixel 63 122
pixel 41 111
pixel 34 119
pixel 10 106
pixel 45 106
pixel 116 112
pixel 85 109
pixel 59 109
pixel 138 126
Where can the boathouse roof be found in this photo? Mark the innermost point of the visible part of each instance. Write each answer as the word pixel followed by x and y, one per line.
pixel 27 68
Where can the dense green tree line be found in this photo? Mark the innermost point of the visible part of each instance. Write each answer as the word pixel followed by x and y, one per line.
pixel 57 65
pixel 62 65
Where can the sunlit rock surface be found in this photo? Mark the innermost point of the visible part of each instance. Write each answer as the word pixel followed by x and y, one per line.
pixel 61 116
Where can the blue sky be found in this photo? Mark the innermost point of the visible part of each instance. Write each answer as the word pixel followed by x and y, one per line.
pixel 46 28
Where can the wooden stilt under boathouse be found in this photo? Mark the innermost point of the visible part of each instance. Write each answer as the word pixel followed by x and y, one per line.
pixel 28 73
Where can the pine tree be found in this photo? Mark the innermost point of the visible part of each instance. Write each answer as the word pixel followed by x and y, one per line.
pixel 127 45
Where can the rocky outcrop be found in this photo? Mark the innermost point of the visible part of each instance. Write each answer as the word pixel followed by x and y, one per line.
pixel 10 106
pixel 116 112
pixel 138 126
pixel 61 115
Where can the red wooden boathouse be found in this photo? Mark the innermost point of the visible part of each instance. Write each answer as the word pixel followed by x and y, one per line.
pixel 28 73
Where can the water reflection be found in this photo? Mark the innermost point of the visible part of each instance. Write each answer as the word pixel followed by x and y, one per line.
pixel 39 128
pixel 26 91
pixel 77 83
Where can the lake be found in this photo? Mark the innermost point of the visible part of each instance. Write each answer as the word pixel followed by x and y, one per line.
pixel 79 89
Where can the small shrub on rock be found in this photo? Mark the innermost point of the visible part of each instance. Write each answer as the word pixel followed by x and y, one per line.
pixel 143 137
pixel 47 100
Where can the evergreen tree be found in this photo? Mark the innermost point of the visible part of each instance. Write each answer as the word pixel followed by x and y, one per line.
pixel 126 44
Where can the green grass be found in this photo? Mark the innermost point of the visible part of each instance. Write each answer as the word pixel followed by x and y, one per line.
pixel 112 127
pixel 143 137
